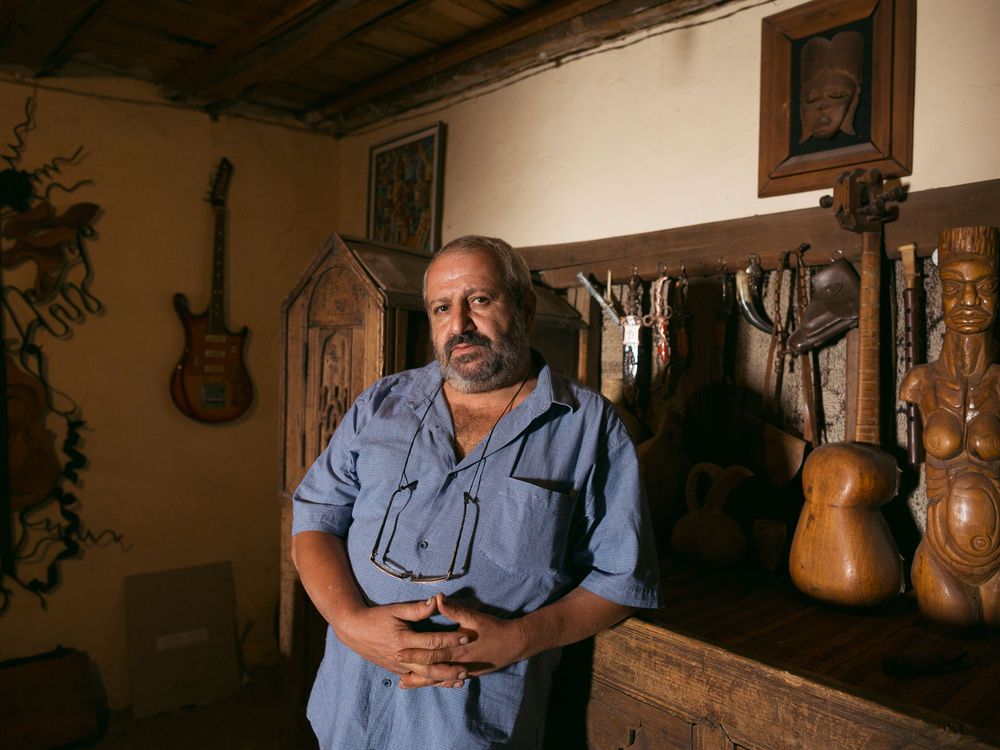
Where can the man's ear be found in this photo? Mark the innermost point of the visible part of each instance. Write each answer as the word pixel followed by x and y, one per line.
pixel 528 306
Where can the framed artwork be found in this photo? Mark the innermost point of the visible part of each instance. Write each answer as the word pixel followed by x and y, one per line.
pixel 836 92
pixel 405 178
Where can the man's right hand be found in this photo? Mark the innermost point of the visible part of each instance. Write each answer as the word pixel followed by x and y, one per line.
pixel 378 633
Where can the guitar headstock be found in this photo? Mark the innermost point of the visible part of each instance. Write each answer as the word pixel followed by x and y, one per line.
pixel 220 183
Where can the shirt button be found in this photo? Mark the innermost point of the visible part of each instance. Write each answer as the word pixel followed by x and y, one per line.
pixel 386 682
pixel 424 544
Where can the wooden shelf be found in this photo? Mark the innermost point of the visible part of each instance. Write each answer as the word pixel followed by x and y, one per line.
pixel 704 249
pixel 749 661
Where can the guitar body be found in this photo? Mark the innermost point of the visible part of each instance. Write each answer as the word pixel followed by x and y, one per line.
pixel 210 382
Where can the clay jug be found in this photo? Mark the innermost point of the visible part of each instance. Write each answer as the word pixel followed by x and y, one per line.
pixel 707 533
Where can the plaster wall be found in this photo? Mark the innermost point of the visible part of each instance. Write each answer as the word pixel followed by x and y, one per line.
pixel 661 130
pixel 178 492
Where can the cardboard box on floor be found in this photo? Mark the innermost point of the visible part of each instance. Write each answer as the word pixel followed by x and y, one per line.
pixel 181 637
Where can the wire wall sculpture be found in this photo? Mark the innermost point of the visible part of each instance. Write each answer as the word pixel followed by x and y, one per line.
pixel 45 292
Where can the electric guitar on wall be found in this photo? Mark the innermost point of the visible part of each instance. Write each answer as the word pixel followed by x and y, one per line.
pixel 210 382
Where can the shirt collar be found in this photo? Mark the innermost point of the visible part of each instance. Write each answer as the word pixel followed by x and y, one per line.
pixel 551 392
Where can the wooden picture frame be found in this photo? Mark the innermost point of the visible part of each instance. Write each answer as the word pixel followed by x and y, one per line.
pixel 405 180
pixel 877 132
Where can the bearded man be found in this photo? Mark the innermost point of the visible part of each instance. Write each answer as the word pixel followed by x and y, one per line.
pixel 467 520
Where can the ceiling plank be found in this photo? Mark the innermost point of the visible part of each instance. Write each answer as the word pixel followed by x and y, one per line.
pixel 13 16
pixel 40 34
pixel 487 40
pixel 284 43
pixel 536 38
pixel 58 55
pixel 204 27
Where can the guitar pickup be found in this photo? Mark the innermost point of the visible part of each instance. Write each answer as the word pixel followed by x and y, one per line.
pixel 213 395
pixel 215 338
pixel 215 353
pixel 214 369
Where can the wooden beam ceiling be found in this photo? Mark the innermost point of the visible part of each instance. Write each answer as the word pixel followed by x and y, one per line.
pixel 278 45
pixel 488 40
pixel 536 38
pixel 338 65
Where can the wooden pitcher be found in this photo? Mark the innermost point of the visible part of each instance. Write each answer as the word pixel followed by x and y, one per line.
pixel 707 533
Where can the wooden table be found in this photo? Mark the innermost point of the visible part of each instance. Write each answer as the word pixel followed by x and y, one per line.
pixel 743 660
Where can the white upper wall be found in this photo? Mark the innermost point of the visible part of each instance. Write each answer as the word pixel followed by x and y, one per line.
pixel 661 131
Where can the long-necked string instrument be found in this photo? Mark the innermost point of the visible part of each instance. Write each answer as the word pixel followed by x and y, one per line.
pixel 914 348
pixel 843 551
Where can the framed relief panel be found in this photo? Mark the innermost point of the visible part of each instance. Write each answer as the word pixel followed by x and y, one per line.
pixel 405 187
pixel 836 92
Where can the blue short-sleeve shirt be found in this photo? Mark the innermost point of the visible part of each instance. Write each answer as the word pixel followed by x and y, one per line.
pixel 558 505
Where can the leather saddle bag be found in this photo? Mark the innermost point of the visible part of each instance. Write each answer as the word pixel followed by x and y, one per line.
pixel 832 309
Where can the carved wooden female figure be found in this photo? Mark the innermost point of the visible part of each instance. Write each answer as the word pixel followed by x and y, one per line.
pixel 956 570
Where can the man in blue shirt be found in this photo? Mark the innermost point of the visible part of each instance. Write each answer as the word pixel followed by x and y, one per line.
pixel 467 520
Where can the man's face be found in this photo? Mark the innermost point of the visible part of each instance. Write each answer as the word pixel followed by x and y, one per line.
pixel 969 294
pixel 480 338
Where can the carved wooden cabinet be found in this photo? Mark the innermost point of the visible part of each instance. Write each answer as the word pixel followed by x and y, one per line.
pixel 737 662
pixel 355 315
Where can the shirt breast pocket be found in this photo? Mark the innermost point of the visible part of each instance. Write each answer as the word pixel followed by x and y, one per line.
pixel 526 524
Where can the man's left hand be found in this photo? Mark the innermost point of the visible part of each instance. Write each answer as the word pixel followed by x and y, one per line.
pixel 493 644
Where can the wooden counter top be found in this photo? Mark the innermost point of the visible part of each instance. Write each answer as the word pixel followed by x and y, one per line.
pixel 773 668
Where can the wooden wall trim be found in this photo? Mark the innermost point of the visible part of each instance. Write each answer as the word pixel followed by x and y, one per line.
pixel 703 248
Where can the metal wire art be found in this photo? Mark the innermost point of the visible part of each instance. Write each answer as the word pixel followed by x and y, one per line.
pixel 46 290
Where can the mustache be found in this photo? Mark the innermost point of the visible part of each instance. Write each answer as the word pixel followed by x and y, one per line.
pixel 476 339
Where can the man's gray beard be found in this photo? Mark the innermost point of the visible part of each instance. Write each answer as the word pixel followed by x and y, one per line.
pixel 496 367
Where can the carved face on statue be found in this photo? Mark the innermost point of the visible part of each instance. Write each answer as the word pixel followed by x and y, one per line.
pixel 828 105
pixel 830 85
pixel 969 293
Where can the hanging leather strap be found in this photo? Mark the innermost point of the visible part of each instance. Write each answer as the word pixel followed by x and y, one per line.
pixel 775 368
pixel 810 429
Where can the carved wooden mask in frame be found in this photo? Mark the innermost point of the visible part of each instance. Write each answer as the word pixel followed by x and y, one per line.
pixel 836 92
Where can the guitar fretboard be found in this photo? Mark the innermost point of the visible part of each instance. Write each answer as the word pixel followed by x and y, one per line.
pixel 216 309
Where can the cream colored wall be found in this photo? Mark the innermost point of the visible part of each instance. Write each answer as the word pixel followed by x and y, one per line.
pixel 663 132
pixel 182 493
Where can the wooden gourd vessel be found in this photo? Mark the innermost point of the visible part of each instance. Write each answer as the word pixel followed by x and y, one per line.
pixel 843 551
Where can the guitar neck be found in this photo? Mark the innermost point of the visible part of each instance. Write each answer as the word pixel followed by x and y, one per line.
pixel 867 426
pixel 217 307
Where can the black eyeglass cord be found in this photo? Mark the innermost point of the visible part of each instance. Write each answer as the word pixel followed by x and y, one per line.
pixel 478 474
pixel 479 464
pixel 469 498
